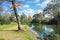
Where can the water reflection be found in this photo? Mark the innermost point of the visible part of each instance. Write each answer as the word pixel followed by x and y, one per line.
pixel 37 27
pixel 43 30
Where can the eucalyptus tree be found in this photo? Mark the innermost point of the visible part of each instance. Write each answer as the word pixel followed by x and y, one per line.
pixel 16 4
pixel 38 17
pixel 54 9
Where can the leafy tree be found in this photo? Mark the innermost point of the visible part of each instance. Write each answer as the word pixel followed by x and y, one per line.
pixel 54 9
pixel 29 19
pixel 24 19
pixel 38 17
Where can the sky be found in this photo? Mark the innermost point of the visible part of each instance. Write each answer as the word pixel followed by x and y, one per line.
pixel 30 7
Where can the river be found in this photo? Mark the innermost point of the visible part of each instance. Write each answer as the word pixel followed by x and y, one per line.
pixel 44 30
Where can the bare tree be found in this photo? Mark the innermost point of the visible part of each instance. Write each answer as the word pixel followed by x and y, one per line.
pixel 15 11
pixel 16 14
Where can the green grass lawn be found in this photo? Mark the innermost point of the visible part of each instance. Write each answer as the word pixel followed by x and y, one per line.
pixel 7 33
pixel 12 26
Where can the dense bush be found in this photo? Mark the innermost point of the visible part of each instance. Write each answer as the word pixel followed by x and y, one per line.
pixel 4 20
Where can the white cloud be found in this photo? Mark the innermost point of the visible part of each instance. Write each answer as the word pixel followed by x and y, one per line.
pixel 29 12
pixel 26 6
pixel 41 5
pixel 47 1
pixel 38 11
pixel 35 1
pixel 44 4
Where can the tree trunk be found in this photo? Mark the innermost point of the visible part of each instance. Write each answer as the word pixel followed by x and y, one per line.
pixel 16 14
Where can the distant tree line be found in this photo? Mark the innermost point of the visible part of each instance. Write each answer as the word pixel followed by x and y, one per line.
pixel 5 19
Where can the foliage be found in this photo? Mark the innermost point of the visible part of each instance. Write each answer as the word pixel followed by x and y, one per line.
pixel 29 19
pixel 37 18
pixel 50 22
pixel 54 9
pixel 12 17
pixel 23 19
pixel 4 20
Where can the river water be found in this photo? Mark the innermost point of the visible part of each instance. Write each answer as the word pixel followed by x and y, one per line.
pixel 44 30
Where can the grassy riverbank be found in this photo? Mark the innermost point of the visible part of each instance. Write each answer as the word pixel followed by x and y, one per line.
pixel 8 32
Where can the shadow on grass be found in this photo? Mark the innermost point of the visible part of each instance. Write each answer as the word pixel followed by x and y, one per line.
pixel 2 39
pixel 8 30
pixel 13 30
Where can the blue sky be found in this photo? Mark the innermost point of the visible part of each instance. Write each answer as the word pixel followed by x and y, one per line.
pixel 31 7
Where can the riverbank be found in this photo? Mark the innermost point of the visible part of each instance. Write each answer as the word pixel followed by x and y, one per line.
pixel 8 32
pixel 13 35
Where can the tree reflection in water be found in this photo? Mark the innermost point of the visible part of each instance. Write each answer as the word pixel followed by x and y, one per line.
pixel 43 31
